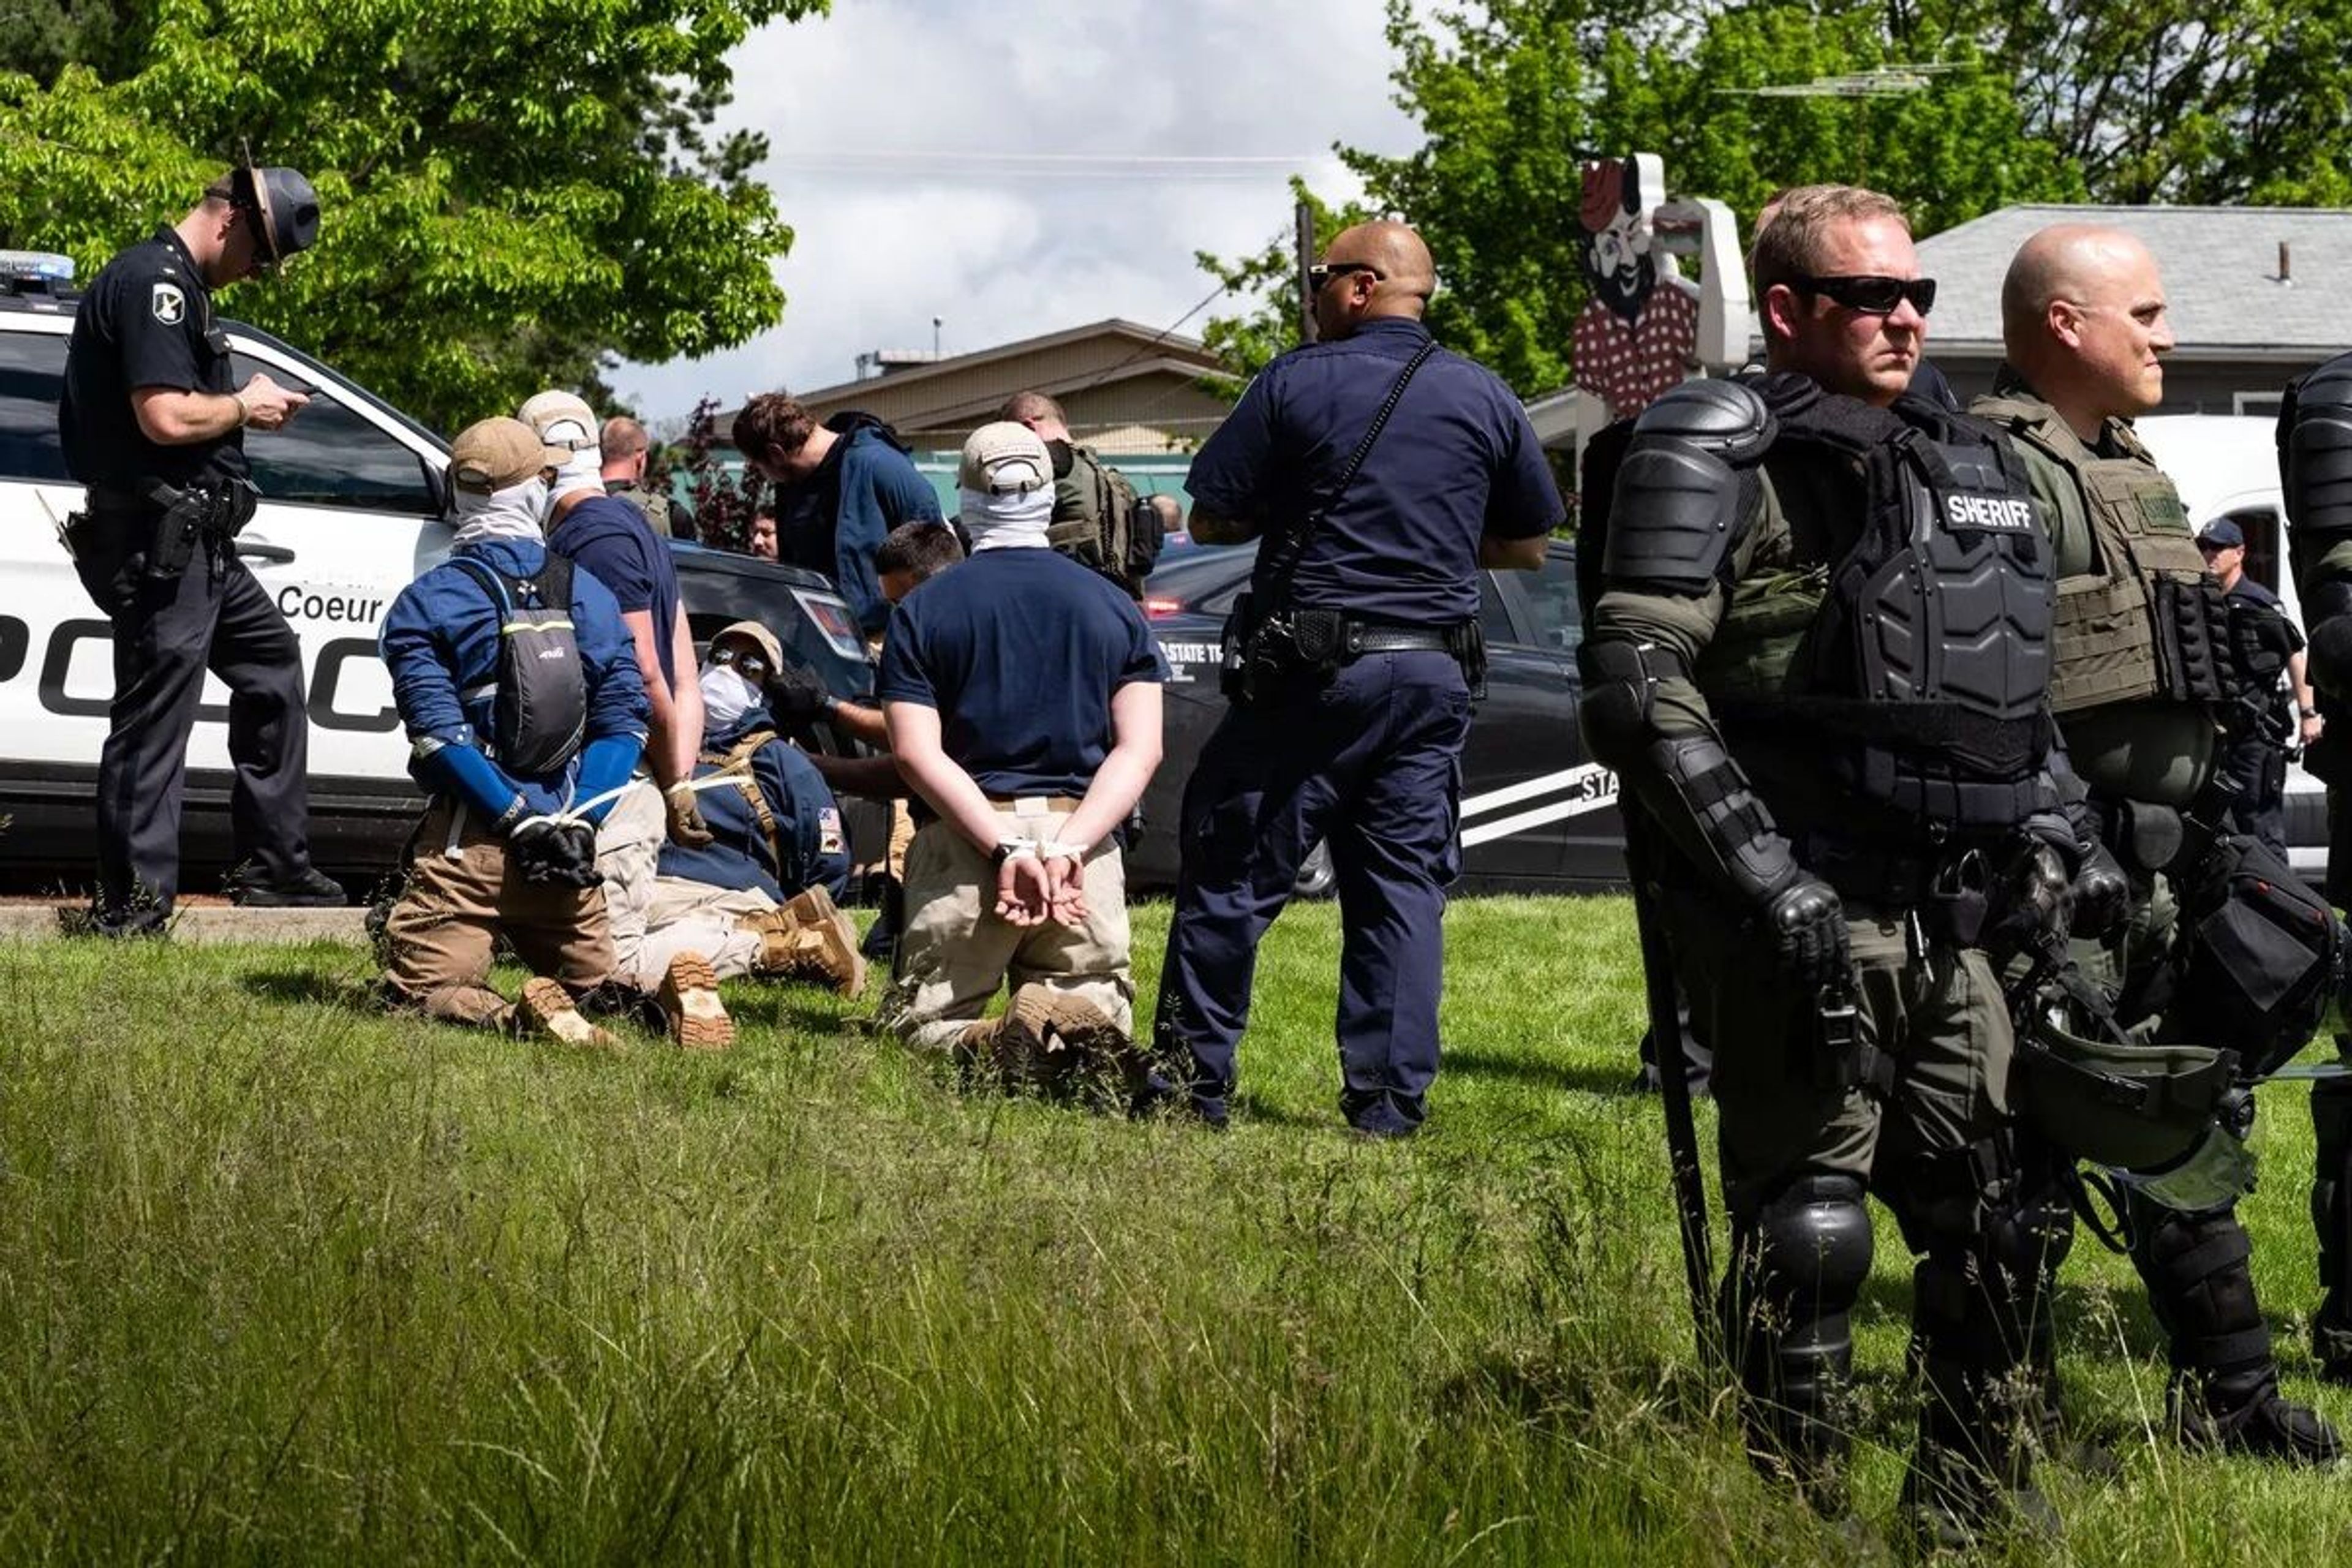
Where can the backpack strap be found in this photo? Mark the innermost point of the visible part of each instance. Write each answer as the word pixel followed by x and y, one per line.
pixel 491 577
pixel 734 764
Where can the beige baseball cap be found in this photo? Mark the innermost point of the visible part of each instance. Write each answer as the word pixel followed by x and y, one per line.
pixel 491 454
pixel 754 633
pixel 562 419
pixel 1005 459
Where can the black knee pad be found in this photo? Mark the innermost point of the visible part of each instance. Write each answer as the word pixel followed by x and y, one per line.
pixel 1802 1261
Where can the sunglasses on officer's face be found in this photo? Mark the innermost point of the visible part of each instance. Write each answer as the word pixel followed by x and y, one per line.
pixel 1871 293
pixel 749 663
pixel 1322 272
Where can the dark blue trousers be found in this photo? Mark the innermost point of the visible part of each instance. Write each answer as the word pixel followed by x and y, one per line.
pixel 1371 765
pixel 215 616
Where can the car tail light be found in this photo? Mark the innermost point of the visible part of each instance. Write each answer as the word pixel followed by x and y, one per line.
pixel 1161 609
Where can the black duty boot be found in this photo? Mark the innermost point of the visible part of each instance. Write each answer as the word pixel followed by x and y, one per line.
pixel 2225 1392
pixel 1787 1304
pixel 2331 1216
pixel 1971 1477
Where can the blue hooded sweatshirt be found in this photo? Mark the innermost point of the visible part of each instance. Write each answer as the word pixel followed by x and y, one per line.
pixel 440 641
pixel 834 521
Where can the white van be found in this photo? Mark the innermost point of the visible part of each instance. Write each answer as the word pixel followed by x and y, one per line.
pixel 2227 466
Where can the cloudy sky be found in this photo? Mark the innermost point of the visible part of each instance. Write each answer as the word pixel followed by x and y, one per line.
pixel 934 162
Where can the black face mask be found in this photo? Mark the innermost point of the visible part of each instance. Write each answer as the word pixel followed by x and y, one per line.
pixel 1063 458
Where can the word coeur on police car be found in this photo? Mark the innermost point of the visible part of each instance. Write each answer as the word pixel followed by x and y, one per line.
pixel 332 603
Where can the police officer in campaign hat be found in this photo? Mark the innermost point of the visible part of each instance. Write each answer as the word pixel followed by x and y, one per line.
pixel 1379 473
pixel 1819 663
pixel 154 428
pixel 2144 686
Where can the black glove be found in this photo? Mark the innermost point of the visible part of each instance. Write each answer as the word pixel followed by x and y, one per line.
pixel 1808 927
pixel 2102 895
pixel 554 850
pixel 795 695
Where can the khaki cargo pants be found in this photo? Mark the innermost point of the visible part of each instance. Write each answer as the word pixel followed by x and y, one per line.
pixel 656 918
pixel 956 951
pixel 1943 1017
pixel 442 934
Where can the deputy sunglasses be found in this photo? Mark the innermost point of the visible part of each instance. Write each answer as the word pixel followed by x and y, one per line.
pixel 1322 272
pixel 749 663
pixel 1870 293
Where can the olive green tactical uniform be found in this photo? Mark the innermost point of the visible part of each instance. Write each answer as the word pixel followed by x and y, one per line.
pixel 1918 1109
pixel 2146 744
pixel 1940 1012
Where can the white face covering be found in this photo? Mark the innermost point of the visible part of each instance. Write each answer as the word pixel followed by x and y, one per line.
pixel 998 523
pixel 517 512
pixel 726 697
pixel 584 471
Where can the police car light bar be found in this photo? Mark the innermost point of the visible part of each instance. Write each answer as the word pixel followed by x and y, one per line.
pixel 41 268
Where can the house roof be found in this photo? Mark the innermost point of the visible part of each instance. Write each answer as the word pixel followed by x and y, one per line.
pixel 2220 268
pixel 1149 341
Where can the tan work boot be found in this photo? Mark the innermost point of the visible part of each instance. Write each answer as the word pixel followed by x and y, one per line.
pixel 547 1011
pixel 1047 1040
pixel 690 1003
pixel 809 939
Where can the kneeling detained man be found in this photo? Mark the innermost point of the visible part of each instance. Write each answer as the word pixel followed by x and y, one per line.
pixel 1022 693
pixel 757 900
pixel 515 679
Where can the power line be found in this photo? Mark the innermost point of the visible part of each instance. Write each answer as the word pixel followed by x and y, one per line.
pixel 1161 336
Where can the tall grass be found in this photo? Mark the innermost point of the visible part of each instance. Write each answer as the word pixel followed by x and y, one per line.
pixel 284 1279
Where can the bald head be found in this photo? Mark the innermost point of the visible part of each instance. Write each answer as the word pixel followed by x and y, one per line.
pixel 2082 320
pixel 1378 269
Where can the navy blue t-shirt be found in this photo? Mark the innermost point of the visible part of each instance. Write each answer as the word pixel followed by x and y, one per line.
pixel 611 540
pixel 1020 651
pixel 1457 459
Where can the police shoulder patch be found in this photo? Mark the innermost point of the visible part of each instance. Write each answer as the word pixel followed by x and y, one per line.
pixel 169 305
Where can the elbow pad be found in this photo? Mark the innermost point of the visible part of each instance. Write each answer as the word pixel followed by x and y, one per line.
pixel 605 765
pixel 473 778
pixel 1685 487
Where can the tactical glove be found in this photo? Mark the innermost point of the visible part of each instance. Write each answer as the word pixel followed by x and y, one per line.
pixel 795 696
pixel 554 850
pixel 2102 895
pixel 1808 927
pixel 687 828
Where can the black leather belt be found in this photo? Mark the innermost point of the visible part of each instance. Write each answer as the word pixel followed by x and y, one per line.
pixel 1364 636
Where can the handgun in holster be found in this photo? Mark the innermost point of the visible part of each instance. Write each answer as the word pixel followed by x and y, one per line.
pixel 192 516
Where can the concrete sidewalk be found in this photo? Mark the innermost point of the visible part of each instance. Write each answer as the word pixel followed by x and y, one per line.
pixel 199 923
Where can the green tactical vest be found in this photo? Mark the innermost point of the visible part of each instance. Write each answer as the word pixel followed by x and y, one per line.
pixel 2110 637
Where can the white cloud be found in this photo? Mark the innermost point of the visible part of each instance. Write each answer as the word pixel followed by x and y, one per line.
pixel 887 241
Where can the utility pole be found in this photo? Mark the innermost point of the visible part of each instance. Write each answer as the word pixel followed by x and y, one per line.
pixel 1303 226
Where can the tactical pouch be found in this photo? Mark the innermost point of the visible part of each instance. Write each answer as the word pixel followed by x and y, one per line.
pixel 2265 956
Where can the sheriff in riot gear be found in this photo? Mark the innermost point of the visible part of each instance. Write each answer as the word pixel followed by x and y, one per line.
pixel 2143 687
pixel 1819 662
pixel 153 428
pixel 2314 435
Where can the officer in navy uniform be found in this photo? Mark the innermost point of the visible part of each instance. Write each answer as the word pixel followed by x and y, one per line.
pixel 155 430
pixel 1352 732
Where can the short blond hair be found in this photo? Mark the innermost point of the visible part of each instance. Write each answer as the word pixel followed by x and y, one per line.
pixel 1791 246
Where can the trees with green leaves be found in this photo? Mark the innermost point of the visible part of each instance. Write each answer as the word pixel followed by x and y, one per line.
pixel 2155 100
pixel 513 191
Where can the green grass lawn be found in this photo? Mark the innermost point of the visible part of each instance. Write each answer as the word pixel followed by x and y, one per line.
pixel 283 1279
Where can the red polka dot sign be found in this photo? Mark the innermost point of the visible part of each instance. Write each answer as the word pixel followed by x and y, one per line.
pixel 1628 365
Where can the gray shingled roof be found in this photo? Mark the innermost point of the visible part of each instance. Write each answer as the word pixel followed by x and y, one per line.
pixel 2221 274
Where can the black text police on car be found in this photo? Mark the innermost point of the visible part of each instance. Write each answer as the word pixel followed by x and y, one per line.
pixel 1357 651
pixel 155 430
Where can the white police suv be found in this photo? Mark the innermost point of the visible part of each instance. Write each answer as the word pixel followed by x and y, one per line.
pixel 353 506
